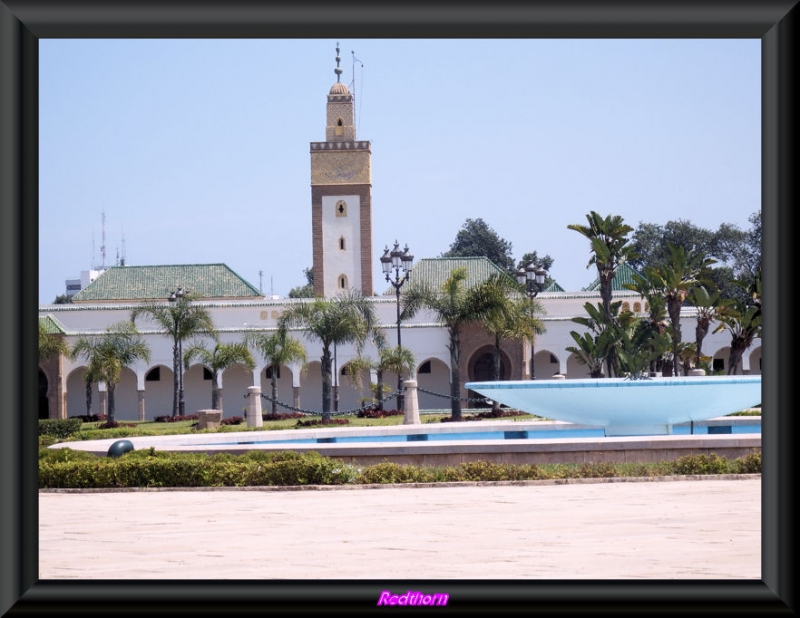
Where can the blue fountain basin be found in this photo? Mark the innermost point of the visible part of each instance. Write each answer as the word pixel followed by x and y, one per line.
pixel 627 407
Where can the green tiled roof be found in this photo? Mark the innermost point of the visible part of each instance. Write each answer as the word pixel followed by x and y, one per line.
pixel 144 283
pixel 51 327
pixel 435 271
pixel 554 287
pixel 624 275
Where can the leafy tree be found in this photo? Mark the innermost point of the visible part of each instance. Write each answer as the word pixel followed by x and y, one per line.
pixel 477 239
pixel 731 248
pixel 610 249
pixel 455 305
pixel 108 354
pixel 346 318
pixel 532 257
pixel 277 348
pixel 62 299
pixel 217 360
pixel 180 320
pixel 307 290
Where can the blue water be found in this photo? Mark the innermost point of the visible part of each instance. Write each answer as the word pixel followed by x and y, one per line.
pixel 506 435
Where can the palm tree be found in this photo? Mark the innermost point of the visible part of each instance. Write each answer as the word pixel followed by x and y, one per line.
pixel 743 322
pixel 455 305
pixel 515 319
pixel 217 360
pixel 656 319
pixel 742 319
pixel 180 320
pixel 610 249
pixel 674 280
pixel 50 345
pixel 346 318
pixel 399 360
pixel 278 349
pixel 90 376
pixel 590 351
pixel 708 305
pixel 600 338
pixel 108 354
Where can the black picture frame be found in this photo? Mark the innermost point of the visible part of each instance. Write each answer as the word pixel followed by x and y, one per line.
pixel 23 23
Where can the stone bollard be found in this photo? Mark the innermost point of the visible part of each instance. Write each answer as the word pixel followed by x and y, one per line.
pixel 254 417
pixel 411 405
pixel 209 419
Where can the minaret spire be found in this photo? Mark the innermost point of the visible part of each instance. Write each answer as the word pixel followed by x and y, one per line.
pixel 337 70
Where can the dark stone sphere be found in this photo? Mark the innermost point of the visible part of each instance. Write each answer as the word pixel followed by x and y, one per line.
pixel 120 447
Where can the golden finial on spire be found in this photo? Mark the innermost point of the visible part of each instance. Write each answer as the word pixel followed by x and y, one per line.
pixel 337 70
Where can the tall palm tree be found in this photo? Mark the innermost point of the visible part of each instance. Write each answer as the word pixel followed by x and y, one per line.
pixel 180 320
pixel 656 318
pixel 217 360
pixel 278 349
pixel 708 305
pixel 398 360
pixel 674 280
pixel 610 249
pixel 455 305
pixel 517 318
pixel 108 354
pixel 346 318
pixel 90 376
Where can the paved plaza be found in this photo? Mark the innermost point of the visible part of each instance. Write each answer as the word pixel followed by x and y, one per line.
pixel 703 528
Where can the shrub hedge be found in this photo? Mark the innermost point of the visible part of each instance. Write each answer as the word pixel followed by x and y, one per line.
pixel 65 468
pixel 60 428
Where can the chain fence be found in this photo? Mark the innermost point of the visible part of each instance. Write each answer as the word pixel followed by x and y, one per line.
pixel 368 406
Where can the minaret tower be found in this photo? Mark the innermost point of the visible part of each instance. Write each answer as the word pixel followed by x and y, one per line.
pixel 341 200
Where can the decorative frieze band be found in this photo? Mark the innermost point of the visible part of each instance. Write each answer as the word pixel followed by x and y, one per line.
pixel 340 145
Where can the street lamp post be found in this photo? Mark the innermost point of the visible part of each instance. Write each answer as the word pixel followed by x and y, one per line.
pixel 174 297
pixel 397 260
pixel 533 278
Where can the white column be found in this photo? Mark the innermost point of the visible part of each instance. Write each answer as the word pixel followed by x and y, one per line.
pixel 411 404
pixel 254 418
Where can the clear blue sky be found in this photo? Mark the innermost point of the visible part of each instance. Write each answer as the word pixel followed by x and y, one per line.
pixel 197 151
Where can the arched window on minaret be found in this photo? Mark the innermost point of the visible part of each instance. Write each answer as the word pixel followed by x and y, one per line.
pixel 342 244
pixel 340 127
pixel 342 282
pixel 341 208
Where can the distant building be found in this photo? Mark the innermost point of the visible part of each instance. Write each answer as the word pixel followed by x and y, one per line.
pixel 73 286
pixel 342 259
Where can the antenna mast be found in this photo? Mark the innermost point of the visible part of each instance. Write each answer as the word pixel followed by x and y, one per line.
pixel 103 245
pixel 354 85
pixel 260 281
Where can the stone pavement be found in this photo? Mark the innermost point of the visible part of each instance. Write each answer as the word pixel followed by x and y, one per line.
pixel 701 528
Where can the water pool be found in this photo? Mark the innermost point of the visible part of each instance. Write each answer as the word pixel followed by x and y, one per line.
pixel 741 425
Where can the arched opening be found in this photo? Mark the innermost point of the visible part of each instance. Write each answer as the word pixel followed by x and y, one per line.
pixel 482 370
